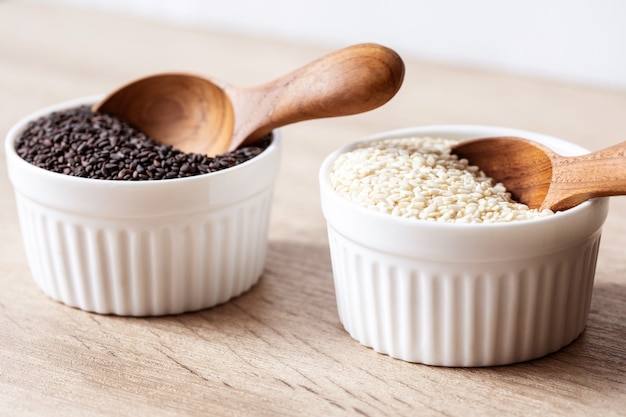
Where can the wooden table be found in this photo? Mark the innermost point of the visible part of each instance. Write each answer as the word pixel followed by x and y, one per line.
pixel 280 349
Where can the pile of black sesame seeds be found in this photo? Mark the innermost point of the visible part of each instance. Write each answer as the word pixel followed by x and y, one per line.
pixel 82 143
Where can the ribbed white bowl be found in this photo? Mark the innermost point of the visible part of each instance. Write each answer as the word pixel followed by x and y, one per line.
pixel 144 248
pixel 462 294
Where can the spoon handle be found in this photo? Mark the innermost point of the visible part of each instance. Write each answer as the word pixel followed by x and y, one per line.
pixel 580 178
pixel 349 81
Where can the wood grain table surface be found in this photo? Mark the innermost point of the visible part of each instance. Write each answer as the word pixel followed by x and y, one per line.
pixel 280 348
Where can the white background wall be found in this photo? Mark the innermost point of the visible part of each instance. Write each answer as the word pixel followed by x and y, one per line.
pixel 580 41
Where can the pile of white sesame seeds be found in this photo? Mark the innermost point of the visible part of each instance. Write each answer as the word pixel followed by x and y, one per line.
pixel 418 178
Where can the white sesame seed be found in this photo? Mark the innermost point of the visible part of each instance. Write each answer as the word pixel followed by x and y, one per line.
pixel 418 178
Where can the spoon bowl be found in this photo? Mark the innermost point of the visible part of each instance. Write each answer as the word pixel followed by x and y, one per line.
pixel 543 179
pixel 199 115
pixel 178 109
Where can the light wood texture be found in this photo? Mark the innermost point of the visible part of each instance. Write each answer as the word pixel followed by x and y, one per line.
pixel 187 111
pixel 279 350
pixel 197 115
pixel 540 178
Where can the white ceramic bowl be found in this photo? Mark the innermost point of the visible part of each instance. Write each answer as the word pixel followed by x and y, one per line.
pixel 462 294
pixel 147 247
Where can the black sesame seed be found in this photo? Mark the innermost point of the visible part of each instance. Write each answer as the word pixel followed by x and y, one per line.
pixel 82 143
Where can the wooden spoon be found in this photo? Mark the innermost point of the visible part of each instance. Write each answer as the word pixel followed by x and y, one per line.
pixel 540 178
pixel 198 115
